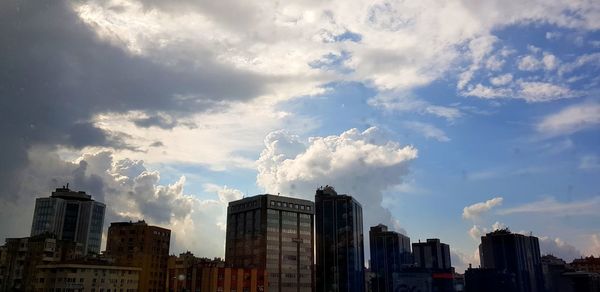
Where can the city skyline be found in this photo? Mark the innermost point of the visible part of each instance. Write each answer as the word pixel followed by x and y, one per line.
pixel 443 119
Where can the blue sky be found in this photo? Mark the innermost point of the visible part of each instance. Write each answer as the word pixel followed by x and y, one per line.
pixel 444 118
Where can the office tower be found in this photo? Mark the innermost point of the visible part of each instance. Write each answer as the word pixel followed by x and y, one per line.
pixel 432 255
pixel 137 244
pixel 274 233
pixel 513 253
pixel 71 216
pixel 390 251
pixel 339 235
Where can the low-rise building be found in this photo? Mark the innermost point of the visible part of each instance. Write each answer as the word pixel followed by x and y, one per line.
pixel 21 256
pixel 589 264
pixel 86 276
pixel 189 273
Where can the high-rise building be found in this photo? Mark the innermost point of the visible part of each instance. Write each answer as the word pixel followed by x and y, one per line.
pixel 72 216
pixel 274 233
pixel 513 253
pixel 340 261
pixel 137 244
pixel 390 251
pixel 432 254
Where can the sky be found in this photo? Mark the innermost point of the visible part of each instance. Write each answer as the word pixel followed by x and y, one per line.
pixel 445 119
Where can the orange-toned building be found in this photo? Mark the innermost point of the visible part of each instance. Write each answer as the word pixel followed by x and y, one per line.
pixel 137 244
pixel 188 273
pixel 588 264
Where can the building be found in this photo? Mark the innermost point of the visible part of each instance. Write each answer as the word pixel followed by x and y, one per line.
pixel 490 280
pixel 137 244
pixel 589 264
pixel 432 254
pixel 273 233
pixel 21 256
pixel 340 249
pixel 422 279
pixel 552 270
pixel 72 216
pixel 86 276
pixel 189 273
pixel 513 253
pixel 390 252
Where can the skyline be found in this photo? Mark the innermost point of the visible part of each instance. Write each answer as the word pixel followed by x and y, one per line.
pixel 444 119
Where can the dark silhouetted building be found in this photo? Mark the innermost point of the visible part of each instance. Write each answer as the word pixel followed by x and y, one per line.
pixel 21 256
pixel 390 251
pixel 137 244
pixel 513 253
pixel 273 233
pixel 72 216
pixel 589 264
pixel 340 248
pixel 490 280
pixel 432 254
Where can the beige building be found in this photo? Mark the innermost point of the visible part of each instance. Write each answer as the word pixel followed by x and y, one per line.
pixel 86 276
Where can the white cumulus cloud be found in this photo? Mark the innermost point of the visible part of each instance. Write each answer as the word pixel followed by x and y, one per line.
pixel 476 210
pixel 361 164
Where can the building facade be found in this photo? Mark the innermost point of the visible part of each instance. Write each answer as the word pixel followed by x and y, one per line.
pixel 21 256
pixel 189 273
pixel 72 216
pixel 340 247
pixel 390 252
pixel 86 276
pixel 432 254
pixel 589 264
pixel 137 244
pixel 513 253
pixel 273 233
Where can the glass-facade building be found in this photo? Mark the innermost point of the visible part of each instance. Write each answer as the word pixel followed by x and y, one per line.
pixel 390 252
pixel 273 233
pixel 340 248
pixel 71 216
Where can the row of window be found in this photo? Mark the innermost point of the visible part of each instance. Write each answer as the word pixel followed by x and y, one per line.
pixel 290 205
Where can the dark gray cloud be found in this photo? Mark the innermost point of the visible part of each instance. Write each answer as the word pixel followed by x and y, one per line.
pixel 56 74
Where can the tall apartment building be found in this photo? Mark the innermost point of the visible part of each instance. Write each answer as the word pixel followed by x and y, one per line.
pixel 274 233
pixel 340 261
pixel 72 216
pixel 390 252
pixel 432 254
pixel 137 244
pixel 513 253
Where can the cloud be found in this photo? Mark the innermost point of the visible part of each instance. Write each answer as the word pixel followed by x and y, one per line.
pixel 594 245
pixel 551 207
pixel 461 261
pixel 130 192
pixel 404 103
pixel 529 63
pixel 544 91
pixel 361 164
pixel 427 130
pixel 503 79
pixel 476 232
pixel 486 92
pixel 589 162
pixel 476 210
pixel 559 248
pixel 570 120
